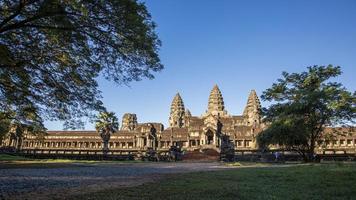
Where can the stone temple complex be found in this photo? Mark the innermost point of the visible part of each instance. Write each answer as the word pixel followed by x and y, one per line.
pixel 214 126
pixel 211 130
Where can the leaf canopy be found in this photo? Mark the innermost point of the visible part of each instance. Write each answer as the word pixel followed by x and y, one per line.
pixel 304 104
pixel 107 122
pixel 52 52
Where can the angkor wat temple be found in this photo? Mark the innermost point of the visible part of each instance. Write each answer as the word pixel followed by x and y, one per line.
pixel 211 130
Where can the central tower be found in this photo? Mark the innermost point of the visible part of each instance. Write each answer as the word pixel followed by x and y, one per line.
pixel 216 105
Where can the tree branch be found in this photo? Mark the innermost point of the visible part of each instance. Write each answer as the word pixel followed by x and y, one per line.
pixel 18 11
pixel 49 27
pixel 31 19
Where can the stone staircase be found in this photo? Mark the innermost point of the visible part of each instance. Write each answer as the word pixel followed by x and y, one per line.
pixel 201 155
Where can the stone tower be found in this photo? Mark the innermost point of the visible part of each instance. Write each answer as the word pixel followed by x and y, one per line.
pixel 187 113
pixel 129 122
pixel 187 118
pixel 216 103
pixel 252 112
pixel 177 115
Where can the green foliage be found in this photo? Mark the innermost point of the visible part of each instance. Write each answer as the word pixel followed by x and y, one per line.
pixel 7 157
pixel 15 125
pixel 4 127
pixel 52 52
pixel 107 121
pixel 106 124
pixel 304 104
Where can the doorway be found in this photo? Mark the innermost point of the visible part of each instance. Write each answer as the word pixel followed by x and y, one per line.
pixel 210 137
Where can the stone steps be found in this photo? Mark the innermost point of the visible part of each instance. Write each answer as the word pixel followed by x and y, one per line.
pixel 201 155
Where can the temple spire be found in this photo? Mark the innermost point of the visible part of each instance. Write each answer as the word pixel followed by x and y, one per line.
pixel 176 118
pixel 129 122
pixel 187 113
pixel 216 102
pixel 252 111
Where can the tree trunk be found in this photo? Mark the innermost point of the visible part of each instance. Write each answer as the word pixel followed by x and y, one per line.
pixel 105 147
pixel 105 137
pixel 309 155
pixel 19 144
pixel 304 154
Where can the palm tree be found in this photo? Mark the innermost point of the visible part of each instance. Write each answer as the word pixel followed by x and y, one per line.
pixel 106 124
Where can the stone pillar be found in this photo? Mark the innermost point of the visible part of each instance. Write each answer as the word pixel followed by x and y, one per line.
pixel 148 144
pixel 188 139
pixel 171 143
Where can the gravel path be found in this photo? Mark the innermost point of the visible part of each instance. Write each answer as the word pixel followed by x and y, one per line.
pixel 57 183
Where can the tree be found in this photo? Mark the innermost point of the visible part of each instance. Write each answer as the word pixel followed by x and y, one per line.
pixel 4 128
pixel 53 51
pixel 15 125
pixel 304 105
pixel 106 124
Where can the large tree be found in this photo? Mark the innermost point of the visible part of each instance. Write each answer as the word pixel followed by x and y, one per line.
pixel 303 105
pixel 52 51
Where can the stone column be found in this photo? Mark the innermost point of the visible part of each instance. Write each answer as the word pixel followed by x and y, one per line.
pixel 188 138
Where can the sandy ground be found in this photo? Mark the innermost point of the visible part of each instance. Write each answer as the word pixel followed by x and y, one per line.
pixel 76 178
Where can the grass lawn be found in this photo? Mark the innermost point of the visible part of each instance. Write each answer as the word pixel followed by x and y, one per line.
pixel 13 161
pixel 318 181
pixel 7 157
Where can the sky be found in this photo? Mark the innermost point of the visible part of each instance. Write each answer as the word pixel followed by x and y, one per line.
pixel 238 45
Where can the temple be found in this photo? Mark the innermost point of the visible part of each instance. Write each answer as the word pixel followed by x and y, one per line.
pixel 211 130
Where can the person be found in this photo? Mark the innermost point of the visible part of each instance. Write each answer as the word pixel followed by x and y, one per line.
pixel 276 155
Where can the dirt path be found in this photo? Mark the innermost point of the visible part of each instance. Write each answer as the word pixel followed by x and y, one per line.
pixel 76 178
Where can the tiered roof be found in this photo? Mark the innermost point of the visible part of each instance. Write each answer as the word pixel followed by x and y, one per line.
pixel 177 112
pixel 216 101
pixel 253 104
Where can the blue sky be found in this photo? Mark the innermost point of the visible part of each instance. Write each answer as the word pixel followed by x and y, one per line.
pixel 239 45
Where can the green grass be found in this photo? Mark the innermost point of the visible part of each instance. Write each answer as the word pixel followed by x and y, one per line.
pixel 321 181
pixel 12 161
pixel 248 164
pixel 7 157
